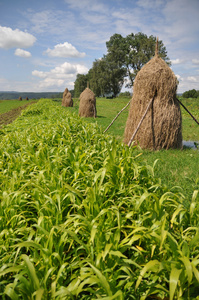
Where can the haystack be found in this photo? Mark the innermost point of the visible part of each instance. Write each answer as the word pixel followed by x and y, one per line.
pixel 162 126
pixel 27 98
pixel 67 100
pixel 20 98
pixel 87 106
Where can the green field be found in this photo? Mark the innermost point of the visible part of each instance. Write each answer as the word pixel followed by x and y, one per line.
pixel 83 216
pixel 7 105
pixel 174 167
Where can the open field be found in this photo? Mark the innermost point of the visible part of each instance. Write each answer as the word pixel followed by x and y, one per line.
pixel 7 105
pixel 11 109
pixel 173 167
pixel 84 217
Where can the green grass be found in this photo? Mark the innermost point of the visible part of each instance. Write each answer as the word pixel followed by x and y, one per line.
pixel 190 128
pixel 82 218
pixel 174 167
pixel 7 105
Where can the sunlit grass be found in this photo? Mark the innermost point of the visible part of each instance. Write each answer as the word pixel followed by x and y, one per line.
pixel 7 105
pixel 83 218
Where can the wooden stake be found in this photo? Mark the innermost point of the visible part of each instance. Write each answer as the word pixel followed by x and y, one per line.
pixel 188 111
pixel 132 138
pixel 117 116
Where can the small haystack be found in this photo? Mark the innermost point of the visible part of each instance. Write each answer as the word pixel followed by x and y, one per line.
pixel 67 100
pixel 27 98
pixel 87 106
pixel 162 125
pixel 20 98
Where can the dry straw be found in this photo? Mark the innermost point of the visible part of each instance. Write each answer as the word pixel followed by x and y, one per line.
pixel 87 106
pixel 67 100
pixel 161 127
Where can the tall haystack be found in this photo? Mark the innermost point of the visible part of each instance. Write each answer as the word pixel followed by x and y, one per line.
pixel 162 126
pixel 20 98
pixel 87 106
pixel 67 100
pixel 27 98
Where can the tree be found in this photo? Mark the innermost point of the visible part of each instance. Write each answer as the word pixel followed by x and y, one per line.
pixel 133 51
pixel 190 94
pixel 106 76
pixel 80 84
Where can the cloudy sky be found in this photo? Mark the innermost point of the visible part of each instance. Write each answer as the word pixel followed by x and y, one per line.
pixel 45 43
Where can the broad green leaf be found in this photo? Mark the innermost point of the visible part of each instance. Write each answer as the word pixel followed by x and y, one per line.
pixel 38 294
pixel 150 266
pixel 117 253
pixel 102 279
pixel 32 272
pixel 9 291
pixel 173 281
pixel 196 272
pixel 188 268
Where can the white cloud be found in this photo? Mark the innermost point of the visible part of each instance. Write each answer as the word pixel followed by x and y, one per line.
pixel 179 77
pixel 192 78
pixel 64 50
pixel 22 53
pixel 195 61
pixel 15 38
pixel 87 5
pixel 60 75
pixel 177 61
pixel 40 74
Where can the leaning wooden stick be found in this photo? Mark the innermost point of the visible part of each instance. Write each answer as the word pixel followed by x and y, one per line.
pixel 117 116
pixel 130 142
pixel 188 111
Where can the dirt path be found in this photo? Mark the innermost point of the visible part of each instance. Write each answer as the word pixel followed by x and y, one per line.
pixel 11 115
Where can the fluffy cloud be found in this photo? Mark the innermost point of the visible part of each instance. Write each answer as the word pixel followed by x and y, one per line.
pixel 15 38
pixel 60 75
pixel 64 50
pixel 176 61
pixel 22 53
pixel 195 61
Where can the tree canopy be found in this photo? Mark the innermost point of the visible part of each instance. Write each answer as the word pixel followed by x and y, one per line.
pixel 125 57
pixel 134 51
pixel 191 94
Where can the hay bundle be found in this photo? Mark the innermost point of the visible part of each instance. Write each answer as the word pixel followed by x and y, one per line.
pixel 87 106
pixel 27 98
pixel 67 100
pixel 161 127
pixel 20 98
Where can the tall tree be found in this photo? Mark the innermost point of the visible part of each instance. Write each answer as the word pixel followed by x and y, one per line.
pixel 106 76
pixel 133 51
pixel 80 84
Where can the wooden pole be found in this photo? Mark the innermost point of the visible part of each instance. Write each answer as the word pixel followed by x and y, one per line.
pixel 131 140
pixel 117 116
pixel 187 111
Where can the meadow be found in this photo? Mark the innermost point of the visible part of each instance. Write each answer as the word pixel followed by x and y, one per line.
pixel 7 105
pixel 85 217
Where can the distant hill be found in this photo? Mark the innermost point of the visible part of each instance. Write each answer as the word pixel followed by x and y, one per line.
pixel 15 95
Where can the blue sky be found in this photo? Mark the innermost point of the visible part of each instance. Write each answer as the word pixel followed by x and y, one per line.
pixel 45 43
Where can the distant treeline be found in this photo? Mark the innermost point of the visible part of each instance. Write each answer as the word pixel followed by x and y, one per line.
pixel 30 95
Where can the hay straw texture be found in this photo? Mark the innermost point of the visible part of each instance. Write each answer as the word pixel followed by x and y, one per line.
pixel 87 106
pixel 162 126
pixel 67 100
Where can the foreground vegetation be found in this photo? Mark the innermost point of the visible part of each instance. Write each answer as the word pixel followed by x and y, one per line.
pixel 173 167
pixel 82 218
